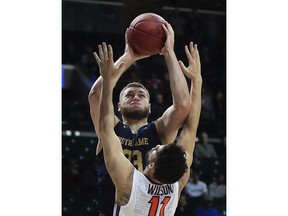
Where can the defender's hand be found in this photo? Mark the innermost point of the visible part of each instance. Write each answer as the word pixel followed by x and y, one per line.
pixel 193 71
pixel 106 64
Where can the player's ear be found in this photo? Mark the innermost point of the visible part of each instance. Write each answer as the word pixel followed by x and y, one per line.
pixel 149 107
pixel 119 106
pixel 151 165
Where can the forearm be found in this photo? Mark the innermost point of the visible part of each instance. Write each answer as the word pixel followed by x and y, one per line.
pixel 178 84
pixel 106 118
pixel 126 59
pixel 195 94
pixel 188 134
pixel 196 86
pixel 112 149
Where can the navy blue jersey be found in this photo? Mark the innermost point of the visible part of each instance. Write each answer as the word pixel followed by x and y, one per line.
pixel 135 147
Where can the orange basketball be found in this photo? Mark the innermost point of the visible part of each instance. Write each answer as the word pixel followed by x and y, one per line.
pixel 146 34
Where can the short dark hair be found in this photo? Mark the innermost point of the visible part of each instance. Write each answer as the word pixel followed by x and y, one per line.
pixel 170 164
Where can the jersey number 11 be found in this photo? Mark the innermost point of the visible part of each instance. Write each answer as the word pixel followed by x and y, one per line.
pixel 155 205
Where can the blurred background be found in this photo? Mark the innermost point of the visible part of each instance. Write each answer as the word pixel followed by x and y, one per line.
pixel 87 23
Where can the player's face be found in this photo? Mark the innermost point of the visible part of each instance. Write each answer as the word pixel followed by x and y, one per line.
pixel 134 103
pixel 151 155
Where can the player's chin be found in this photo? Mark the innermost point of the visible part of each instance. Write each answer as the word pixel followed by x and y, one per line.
pixel 136 106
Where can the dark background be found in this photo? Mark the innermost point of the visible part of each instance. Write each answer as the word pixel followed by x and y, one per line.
pixel 85 24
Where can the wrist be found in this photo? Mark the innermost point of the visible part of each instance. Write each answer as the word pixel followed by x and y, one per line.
pixel 108 83
pixel 197 79
pixel 169 53
pixel 126 59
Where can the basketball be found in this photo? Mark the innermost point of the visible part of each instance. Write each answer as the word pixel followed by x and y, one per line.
pixel 146 35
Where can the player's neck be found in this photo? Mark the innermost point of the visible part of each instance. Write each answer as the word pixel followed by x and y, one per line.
pixel 134 124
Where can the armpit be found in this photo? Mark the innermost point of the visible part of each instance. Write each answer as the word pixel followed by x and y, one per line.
pixel 124 195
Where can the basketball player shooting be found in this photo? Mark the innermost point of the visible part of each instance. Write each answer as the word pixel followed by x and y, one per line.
pixel 155 191
pixel 137 135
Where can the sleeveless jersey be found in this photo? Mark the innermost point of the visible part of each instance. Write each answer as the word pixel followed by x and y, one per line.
pixel 135 147
pixel 149 199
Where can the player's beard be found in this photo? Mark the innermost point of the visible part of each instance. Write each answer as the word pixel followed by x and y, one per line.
pixel 147 159
pixel 135 113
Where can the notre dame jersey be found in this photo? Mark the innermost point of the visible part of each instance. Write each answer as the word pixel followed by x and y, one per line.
pixel 135 147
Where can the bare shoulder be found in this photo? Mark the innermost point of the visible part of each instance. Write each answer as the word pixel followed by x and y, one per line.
pixel 123 194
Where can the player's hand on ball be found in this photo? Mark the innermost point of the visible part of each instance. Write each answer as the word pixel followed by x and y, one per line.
pixel 169 43
pixel 129 50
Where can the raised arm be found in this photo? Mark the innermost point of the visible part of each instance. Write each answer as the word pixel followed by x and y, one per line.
pixel 174 117
pixel 94 95
pixel 188 134
pixel 118 166
pixel 127 59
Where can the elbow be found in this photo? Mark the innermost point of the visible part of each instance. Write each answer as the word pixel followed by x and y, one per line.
pixel 183 101
pixel 182 111
pixel 93 96
pixel 184 106
pixel 90 96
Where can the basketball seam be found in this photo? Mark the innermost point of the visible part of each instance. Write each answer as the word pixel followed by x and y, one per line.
pixel 146 32
pixel 139 44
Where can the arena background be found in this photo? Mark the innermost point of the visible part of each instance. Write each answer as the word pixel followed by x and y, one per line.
pixel 85 24
pixel 30 91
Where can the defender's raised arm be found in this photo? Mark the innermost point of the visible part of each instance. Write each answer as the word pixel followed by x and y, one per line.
pixel 127 59
pixel 118 166
pixel 188 134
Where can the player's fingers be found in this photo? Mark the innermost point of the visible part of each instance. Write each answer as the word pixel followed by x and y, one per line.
pixel 188 54
pixel 105 50
pixel 101 55
pixel 165 29
pixel 197 52
pixel 98 60
pixel 110 52
pixel 169 27
pixel 192 50
pixel 182 66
